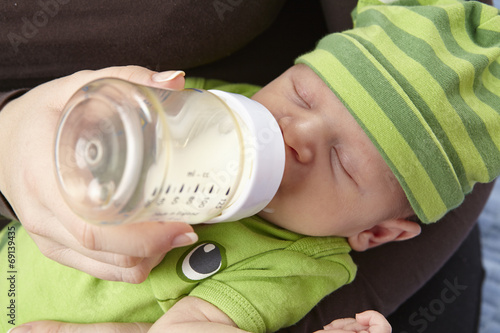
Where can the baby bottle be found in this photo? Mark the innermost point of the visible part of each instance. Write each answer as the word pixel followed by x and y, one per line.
pixel 130 153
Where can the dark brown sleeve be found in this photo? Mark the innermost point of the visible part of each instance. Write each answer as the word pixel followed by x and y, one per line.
pixel 52 38
pixel 6 209
pixel 338 14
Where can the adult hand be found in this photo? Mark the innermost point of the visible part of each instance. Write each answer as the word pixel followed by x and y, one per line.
pixel 27 179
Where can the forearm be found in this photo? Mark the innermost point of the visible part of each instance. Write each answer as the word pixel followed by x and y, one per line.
pixel 195 315
pixel 5 208
pixel 196 327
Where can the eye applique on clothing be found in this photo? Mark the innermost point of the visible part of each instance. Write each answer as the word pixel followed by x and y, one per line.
pixel 201 261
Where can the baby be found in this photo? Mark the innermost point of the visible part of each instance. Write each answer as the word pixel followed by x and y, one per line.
pixel 332 175
pixel 392 119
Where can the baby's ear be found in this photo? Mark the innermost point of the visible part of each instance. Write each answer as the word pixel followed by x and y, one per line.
pixel 384 232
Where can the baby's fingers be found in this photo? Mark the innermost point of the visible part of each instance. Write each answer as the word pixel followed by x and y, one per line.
pixel 345 325
pixel 375 320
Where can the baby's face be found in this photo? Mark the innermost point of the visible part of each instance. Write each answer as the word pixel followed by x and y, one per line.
pixel 335 181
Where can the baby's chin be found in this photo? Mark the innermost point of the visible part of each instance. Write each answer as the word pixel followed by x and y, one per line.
pixel 267 213
pixel 271 215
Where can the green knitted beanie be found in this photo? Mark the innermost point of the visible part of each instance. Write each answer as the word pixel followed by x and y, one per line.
pixel 422 78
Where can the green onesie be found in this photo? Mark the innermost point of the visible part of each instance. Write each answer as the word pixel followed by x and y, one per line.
pixel 261 276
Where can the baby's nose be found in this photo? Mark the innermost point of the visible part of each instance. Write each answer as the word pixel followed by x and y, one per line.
pixel 302 136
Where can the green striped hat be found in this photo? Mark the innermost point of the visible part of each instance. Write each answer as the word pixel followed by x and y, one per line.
pixel 422 77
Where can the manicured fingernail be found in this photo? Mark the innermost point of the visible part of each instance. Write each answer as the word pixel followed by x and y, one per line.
pixel 167 76
pixel 185 239
pixel 20 329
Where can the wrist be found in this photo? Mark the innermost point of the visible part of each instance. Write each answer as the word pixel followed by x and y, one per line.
pixel 5 208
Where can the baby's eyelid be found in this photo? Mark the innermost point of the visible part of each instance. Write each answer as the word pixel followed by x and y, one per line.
pixel 335 158
pixel 300 95
pixel 340 157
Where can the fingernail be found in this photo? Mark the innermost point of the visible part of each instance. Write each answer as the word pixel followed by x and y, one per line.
pixel 185 239
pixel 167 76
pixel 20 329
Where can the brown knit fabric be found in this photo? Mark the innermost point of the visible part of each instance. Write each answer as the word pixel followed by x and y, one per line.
pixel 50 38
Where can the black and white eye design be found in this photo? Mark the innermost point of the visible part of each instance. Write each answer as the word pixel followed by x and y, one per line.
pixel 203 261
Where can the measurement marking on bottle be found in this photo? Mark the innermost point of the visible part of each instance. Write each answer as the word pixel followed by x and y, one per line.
pixel 168 189
pixel 182 188
pixel 229 189
pixel 211 189
pixel 196 189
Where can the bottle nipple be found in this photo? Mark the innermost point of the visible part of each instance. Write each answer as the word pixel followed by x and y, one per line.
pixel 93 152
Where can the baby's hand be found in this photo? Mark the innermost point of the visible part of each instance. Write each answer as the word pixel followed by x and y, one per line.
pixel 365 322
